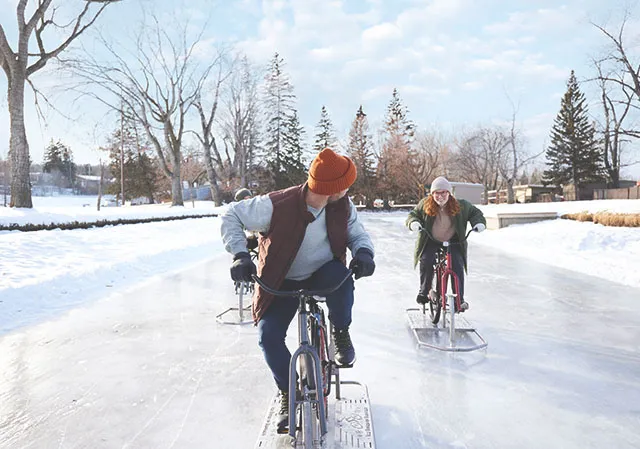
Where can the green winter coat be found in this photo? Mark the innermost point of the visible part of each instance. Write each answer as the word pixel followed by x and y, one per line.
pixel 468 213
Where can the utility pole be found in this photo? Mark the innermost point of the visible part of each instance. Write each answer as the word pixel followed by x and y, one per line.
pixel 122 157
pixel 100 185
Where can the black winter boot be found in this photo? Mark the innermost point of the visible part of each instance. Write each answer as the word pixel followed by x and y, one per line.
pixel 282 419
pixel 345 354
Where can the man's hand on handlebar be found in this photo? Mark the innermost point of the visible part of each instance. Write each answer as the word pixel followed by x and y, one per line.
pixel 362 263
pixel 242 267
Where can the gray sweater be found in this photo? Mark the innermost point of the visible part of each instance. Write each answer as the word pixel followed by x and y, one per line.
pixel 255 213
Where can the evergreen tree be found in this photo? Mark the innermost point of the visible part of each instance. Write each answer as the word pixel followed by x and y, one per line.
pixel 58 161
pixel 573 156
pixel 397 159
pixel 279 111
pixel 325 137
pixel 360 150
pixel 397 123
pixel 293 165
pixel 139 169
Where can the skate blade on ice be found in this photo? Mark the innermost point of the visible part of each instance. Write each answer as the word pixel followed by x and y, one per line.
pixel 349 425
pixel 428 335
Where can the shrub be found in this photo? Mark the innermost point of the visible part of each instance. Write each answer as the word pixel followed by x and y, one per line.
pixel 607 218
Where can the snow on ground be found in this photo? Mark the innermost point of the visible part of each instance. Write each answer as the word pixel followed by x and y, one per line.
pixel 45 272
pixel 66 209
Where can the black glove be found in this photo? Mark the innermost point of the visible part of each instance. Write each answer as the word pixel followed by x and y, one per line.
pixel 362 263
pixel 243 267
pixel 252 242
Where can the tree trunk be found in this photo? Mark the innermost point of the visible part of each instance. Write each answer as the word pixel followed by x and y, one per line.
pixel 18 145
pixel 212 175
pixel 510 196
pixel 176 185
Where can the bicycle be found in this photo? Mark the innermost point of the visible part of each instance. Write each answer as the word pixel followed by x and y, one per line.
pixel 315 354
pixel 444 296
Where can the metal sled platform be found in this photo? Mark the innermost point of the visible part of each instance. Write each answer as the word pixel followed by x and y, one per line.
pixel 464 337
pixel 242 313
pixel 349 425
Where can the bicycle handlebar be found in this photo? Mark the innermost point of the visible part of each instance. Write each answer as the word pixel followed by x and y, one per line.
pixel 301 292
pixel 421 229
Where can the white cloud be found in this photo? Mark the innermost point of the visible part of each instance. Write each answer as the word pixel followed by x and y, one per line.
pixel 383 32
pixel 472 85
pixel 538 21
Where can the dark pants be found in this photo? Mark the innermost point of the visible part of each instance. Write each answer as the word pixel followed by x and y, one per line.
pixel 427 259
pixel 272 328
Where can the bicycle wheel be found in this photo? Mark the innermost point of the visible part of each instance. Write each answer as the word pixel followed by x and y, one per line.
pixel 435 297
pixel 321 343
pixel 310 432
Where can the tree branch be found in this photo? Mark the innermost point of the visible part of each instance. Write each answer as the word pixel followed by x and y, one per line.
pixel 78 29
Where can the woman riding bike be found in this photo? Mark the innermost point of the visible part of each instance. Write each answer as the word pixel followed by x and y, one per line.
pixel 443 218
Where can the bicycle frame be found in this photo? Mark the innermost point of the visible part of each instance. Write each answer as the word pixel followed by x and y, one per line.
pixel 449 299
pixel 307 311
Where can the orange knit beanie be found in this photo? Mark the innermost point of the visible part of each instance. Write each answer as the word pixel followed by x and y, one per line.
pixel 331 173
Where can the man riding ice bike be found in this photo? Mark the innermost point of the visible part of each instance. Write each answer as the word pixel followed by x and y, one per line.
pixel 305 232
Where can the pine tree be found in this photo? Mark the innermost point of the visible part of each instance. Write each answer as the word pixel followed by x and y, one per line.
pixel 325 137
pixel 279 110
pixel 573 156
pixel 397 159
pixel 58 161
pixel 397 123
pixel 360 150
pixel 139 169
pixel 293 166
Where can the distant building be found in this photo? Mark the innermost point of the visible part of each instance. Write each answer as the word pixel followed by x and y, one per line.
pixel 529 193
pixel 468 191
pixel 88 184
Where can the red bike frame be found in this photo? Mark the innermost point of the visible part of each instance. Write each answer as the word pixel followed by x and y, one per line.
pixel 443 277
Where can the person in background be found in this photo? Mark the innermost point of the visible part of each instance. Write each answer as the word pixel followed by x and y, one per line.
pixel 305 232
pixel 252 237
pixel 441 218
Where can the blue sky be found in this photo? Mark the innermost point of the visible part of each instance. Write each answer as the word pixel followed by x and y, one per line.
pixel 454 62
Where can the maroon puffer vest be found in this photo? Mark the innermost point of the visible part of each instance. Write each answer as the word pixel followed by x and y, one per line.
pixel 279 246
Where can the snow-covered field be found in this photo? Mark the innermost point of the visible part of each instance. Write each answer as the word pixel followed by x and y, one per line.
pixel 46 272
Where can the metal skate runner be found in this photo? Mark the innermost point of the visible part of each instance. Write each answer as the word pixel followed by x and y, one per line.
pixel 453 337
pixel 243 313
pixel 351 426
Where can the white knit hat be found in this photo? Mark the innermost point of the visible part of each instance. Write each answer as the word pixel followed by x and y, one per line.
pixel 441 183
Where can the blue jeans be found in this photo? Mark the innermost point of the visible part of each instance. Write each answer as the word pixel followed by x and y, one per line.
pixel 272 327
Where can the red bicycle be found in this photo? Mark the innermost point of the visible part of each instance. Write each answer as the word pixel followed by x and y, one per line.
pixel 443 271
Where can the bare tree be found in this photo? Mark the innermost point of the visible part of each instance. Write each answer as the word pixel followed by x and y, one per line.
pixel 479 155
pixel 429 150
pixel 514 158
pixel 240 121
pixel 157 86
pixel 620 58
pixel 207 121
pixel 18 66
pixel 615 110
